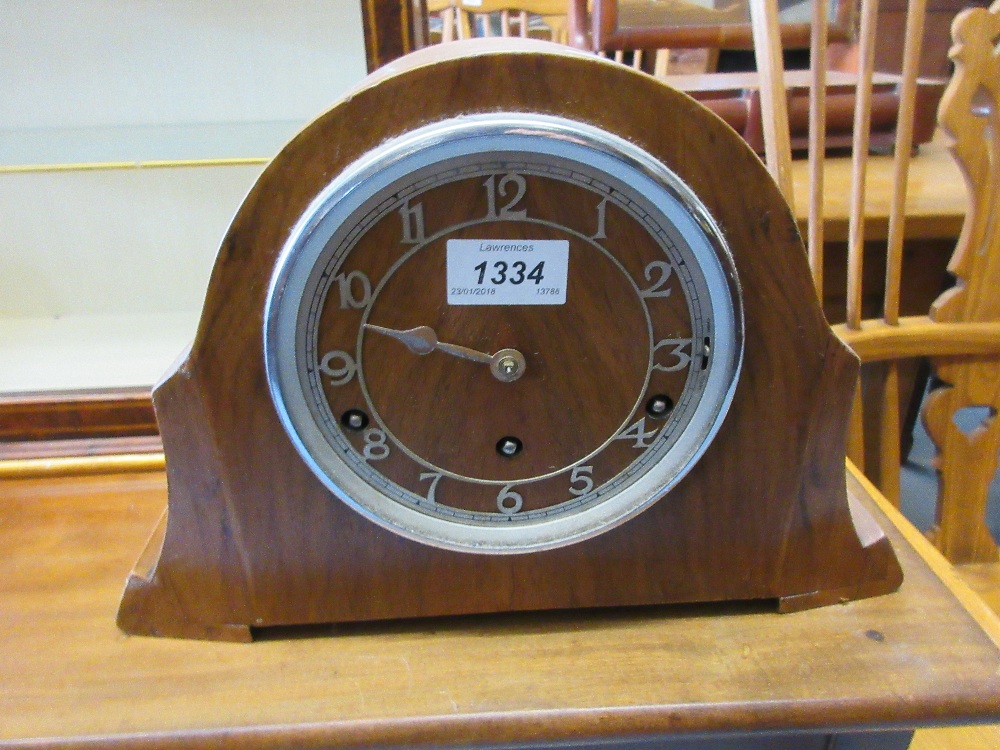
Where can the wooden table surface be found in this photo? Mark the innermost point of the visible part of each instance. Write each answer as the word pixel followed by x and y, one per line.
pixel 69 677
pixel 936 199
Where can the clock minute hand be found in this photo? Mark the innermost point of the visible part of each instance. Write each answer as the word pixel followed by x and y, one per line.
pixel 423 340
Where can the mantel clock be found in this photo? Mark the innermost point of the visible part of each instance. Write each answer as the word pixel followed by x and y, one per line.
pixel 509 328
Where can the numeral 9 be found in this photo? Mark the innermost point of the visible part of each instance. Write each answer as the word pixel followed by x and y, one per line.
pixel 339 375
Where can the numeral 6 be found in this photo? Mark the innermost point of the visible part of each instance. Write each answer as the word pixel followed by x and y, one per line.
pixel 508 501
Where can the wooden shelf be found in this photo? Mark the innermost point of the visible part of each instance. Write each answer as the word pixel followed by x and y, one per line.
pixel 125 147
pixel 79 352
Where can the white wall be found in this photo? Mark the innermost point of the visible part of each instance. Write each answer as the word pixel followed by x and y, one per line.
pixel 113 242
pixel 137 80
pixel 79 63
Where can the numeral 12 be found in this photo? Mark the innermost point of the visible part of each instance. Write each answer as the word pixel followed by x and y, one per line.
pixel 507 211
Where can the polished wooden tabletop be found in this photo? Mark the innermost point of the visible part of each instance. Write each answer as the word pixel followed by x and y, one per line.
pixel 70 678
pixel 936 197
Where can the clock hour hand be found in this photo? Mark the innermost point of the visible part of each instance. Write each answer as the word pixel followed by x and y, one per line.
pixel 507 365
pixel 423 340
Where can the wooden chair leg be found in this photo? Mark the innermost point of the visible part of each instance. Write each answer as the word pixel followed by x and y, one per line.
pixel 888 435
pixel 661 64
pixel 960 531
pixel 856 431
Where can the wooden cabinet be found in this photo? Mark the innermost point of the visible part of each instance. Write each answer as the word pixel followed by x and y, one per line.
pixel 934 62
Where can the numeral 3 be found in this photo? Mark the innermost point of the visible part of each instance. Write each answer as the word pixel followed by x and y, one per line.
pixel 681 358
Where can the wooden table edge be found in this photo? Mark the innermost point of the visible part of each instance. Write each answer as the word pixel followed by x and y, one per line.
pixel 944 570
pixel 626 723
pixel 568 727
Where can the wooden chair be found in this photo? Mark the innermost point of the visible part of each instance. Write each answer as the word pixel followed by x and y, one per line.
pixel 970 116
pixel 660 61
pixel 449 20
pixel 961 332
pixel 546 19
pixel 465 19
pixel 637 59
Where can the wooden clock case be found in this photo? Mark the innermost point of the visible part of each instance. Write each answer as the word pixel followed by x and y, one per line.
pixel 251 537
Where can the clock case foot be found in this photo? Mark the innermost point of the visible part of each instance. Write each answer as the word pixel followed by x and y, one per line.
pixel 253 539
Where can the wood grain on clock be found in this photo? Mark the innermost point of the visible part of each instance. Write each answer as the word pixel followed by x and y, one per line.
pixel 253 539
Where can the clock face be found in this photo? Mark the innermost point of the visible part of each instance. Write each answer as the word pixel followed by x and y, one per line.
pixel 503 333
